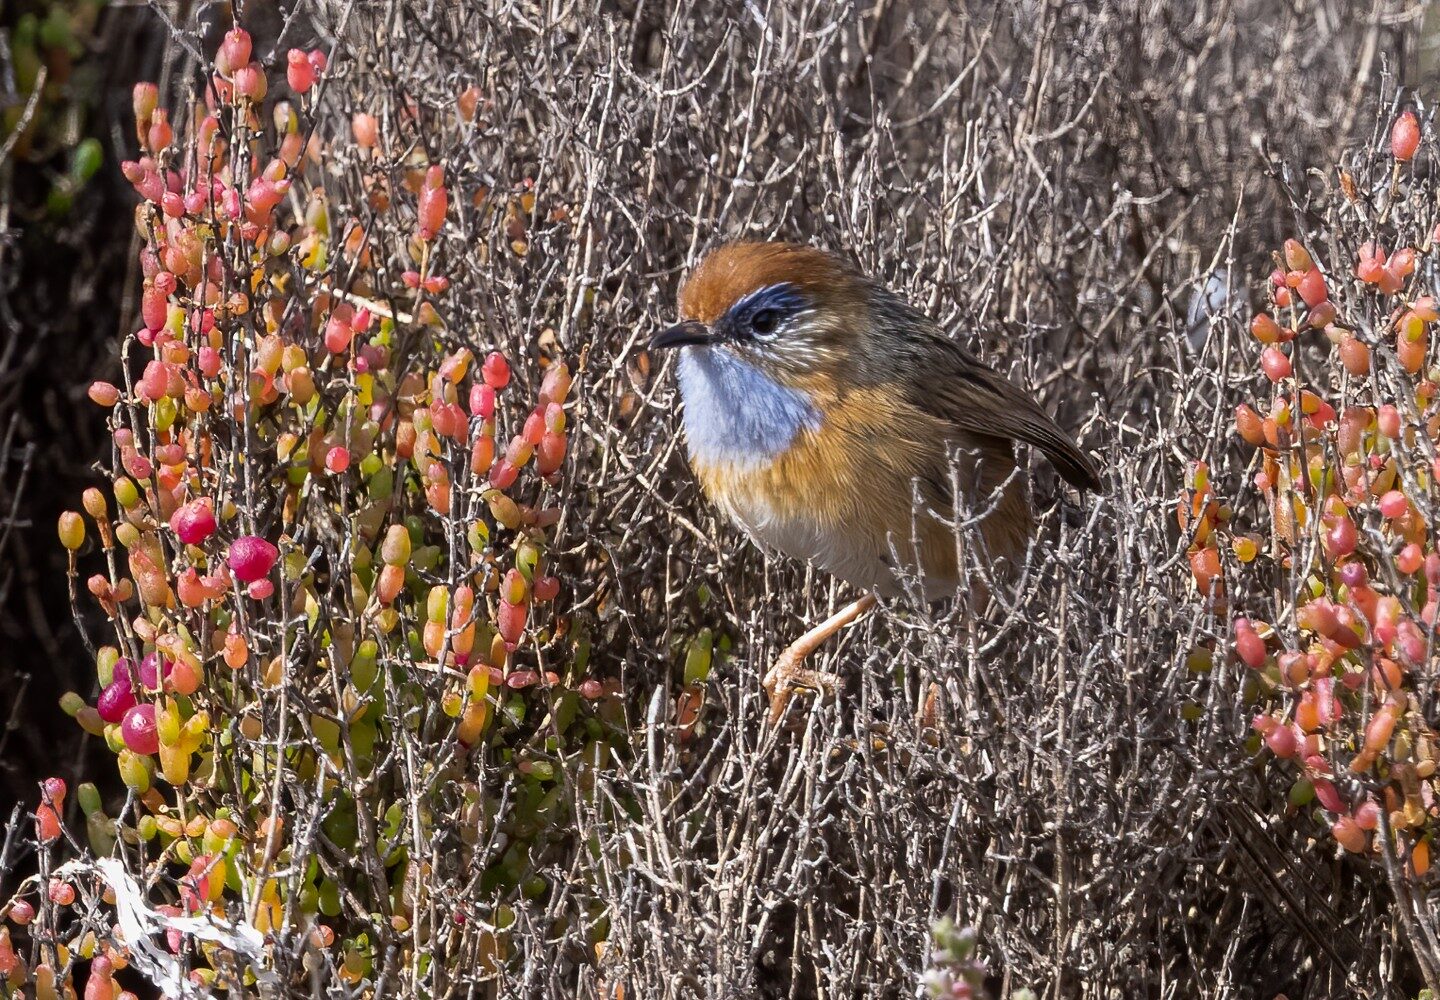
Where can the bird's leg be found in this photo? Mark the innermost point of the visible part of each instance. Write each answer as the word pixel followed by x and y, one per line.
pixel 787 673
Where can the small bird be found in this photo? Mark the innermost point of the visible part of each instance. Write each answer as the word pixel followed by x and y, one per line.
pixel 819 405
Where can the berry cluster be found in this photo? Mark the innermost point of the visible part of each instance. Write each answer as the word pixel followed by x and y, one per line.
pixel 328 575
pixel 1344 485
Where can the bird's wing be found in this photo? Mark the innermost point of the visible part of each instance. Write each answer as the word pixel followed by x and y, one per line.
pixel 981 402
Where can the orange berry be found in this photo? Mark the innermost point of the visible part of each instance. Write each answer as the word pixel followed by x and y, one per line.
pixel 1297 258
pixel 1355 356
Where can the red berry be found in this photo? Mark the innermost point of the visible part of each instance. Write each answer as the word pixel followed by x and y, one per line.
pixel 337 459
pixel 117 698
pixel 503 474
pixel 482 401
pixel 250 82
pixel 251 558
pixel 433 204
pixel 1312 287
pixel 1248 644
pixel 1275 364
pixel 1405 136
pixel 1394 504
pixel 496 370
pixel 510 622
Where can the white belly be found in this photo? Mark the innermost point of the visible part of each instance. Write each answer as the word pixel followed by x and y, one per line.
pixel 862 558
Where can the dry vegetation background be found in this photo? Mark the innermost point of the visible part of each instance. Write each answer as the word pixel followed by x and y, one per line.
pixel 1055 181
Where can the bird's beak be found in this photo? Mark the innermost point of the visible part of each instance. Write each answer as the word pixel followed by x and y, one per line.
pixel 689 332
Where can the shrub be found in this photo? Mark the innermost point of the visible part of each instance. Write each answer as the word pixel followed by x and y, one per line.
pixel 1327 550
pixel 334 687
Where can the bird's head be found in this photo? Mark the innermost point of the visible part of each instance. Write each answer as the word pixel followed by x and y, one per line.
pixel 790 311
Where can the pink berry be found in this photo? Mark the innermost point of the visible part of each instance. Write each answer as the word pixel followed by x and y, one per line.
pixel 337 459
pixel 103 394
pixel 1410 559
pixel 235 49
pixel 138 731
pixel 154 669
pixel 1353 574
pixel 1327 795
pixel 1281 741
pixel 1340 537
pixel 1349 835
pixel 194 522
pixel 299 72
pixel 338 333
pixel 250 82
pixel 251 557
pixel 1394 504
pixel 1388 419
pixel 210 361
pixel 22 912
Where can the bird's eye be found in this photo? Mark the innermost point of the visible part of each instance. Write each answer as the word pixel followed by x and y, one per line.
pixel 765 322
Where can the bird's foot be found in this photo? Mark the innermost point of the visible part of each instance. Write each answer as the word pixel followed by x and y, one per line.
pixel 788 675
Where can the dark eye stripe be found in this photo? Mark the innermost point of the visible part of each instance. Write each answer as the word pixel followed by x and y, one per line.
pixel 782 302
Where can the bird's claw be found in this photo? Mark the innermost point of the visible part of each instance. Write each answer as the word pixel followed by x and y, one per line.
pixel 787 676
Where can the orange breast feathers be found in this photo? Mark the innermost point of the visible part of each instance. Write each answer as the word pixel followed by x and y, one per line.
pixel 841 495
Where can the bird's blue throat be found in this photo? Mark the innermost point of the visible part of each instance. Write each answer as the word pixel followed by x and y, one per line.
pixel 735 414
